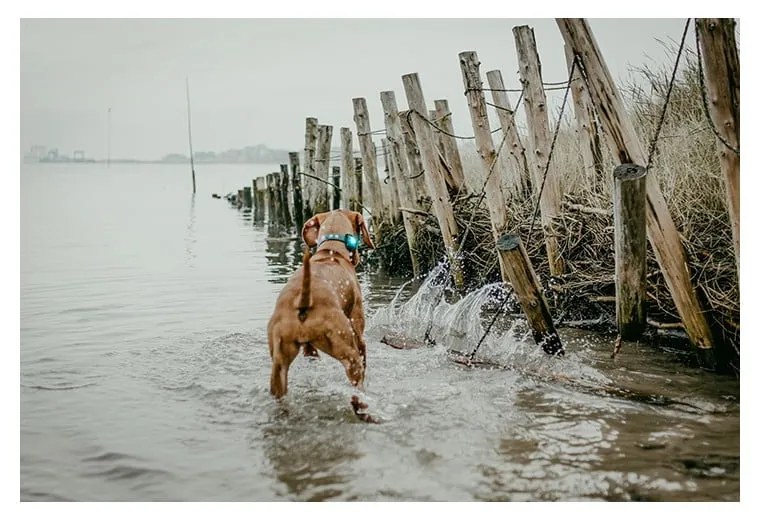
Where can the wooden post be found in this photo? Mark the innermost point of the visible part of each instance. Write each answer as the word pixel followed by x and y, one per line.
pixel 298 216
pixel 261 202
pixel 320 195
pixel 348 179
pixel 434 180
pixel 393 178
pixel 449 146
pixel 369 163
pixel 588 132
pixel 525 283
pixel 255 200
pixel 337 188
pixel 717 39
pixel 359 176
pixel 626 147
pixel 518 161
pixel 271 208
pixel 283 189
pixel 309 165
pixel 413 157
pixel 497 206
pixel 540 143
pixel 247 197
pixel 404 184
pixel 629 205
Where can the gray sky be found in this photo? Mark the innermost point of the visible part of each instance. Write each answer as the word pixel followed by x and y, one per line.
pixel 256 80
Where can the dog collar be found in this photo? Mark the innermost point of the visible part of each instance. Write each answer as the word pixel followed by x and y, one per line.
pixel 351 241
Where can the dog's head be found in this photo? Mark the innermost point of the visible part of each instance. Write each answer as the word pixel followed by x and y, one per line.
pixel 341 222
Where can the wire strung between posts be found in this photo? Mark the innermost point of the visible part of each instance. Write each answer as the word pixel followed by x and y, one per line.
pixel 704 96
pixel 551 150
pixel 653 144
pixel 471 355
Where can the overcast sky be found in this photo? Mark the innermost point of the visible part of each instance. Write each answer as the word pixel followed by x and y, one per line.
pixel 255 81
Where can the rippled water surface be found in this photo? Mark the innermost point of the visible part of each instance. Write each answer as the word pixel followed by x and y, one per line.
pixel 145 369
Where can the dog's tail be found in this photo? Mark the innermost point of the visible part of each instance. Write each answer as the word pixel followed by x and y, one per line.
pixel 305 302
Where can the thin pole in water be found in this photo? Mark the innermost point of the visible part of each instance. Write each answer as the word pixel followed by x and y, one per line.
pixel 189 131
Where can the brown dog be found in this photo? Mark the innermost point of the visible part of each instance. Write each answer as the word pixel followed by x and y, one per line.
pixel 321 305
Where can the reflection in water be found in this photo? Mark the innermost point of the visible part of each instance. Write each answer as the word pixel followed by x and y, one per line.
pixel 311 447
pixel 190 238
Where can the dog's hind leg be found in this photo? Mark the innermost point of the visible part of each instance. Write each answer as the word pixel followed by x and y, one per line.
pixel 344 349
pixel 283 355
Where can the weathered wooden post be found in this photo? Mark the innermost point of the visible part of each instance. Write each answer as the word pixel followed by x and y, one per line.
pixel 434 180
pixel 393 178
pixel 473 86
pixel 369 163
pixel 448 144
pixel 717 39
pixel 321 196
pixel 626 148
pixel 240 198
pixel 247 197
pixel 255 200
pixel 283 189
pixel 413 156
pixel 259 189
pixel 629 205
pixel 405 186
pixel 336 186
pixel 588 132
pixel 271 207
pixel 518 161
pixel 348 178
pixel 298 217
pixel 358 169
pixel 528 291
pixel 309 155
pixel 540 143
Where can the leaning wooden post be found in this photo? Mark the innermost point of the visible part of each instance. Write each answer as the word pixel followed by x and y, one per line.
pixel 540 143
pixel 348 177
pixel 320 195
pixel 336 187
pixel 717 41
pixel 528 291
pixel 283 189
pixel 627 148
pixel 369 163
pixel 434 180
pixel 298 217
pixel 629 205
pixel 588 132
pixel 497 206
pixel 518 161
pixel 309 155
pixel 359 176
pixel 247 197
pixel 449 146
pixel 404 184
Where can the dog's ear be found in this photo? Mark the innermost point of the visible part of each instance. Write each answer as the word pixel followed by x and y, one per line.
pixel 310 231
pixel 361 227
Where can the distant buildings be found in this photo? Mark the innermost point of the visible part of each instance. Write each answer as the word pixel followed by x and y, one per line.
pixel 39 153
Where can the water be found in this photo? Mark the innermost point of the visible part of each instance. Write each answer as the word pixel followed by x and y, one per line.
pixel 144 373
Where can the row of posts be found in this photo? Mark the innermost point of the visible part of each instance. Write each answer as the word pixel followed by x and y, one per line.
pixel 422 160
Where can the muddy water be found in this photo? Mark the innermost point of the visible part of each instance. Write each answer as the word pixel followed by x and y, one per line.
pixel 144 373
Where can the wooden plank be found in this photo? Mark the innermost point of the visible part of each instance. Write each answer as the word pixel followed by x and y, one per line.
pixel 349 193
pixel 413 157
pixel 449 146
pixel 298 216
pixel 309 155
pixel 369 164
pixel 627 148
pixel 393 177
pixel 717 40
pixel 321 199
pixel 404 184
pixel 516 157
pixel 629 200
pixel 436 185
pixel 534 101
